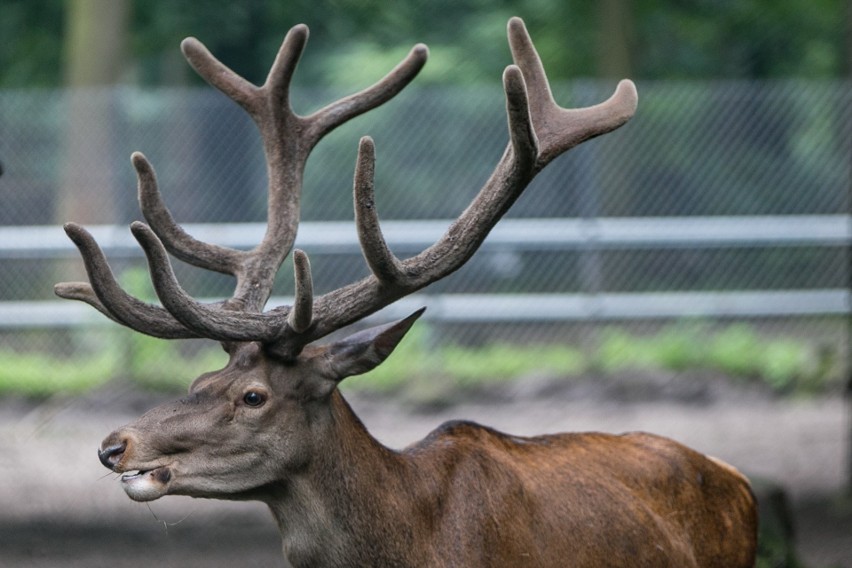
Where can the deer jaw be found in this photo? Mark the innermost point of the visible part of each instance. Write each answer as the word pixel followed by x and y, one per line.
pixel 246 428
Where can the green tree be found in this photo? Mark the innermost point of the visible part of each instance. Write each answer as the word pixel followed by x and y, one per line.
pixel 654 39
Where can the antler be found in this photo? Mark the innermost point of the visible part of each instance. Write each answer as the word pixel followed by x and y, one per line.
pixel 539 131
pixel 287 141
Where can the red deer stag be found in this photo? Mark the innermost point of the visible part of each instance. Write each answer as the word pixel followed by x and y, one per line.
pixel 272 425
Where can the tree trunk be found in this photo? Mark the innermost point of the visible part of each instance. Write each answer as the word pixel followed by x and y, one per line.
pixel 615 31
pixel 94 46
pixel 95 58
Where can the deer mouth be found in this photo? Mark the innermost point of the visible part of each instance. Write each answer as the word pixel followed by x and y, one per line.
pixel 146 484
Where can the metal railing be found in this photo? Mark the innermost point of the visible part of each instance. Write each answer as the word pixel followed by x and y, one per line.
pixel 512 235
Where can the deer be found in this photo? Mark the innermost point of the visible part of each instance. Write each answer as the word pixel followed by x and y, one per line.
pixel 272 425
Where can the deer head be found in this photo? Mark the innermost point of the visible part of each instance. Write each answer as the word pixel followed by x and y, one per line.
pixel 260 418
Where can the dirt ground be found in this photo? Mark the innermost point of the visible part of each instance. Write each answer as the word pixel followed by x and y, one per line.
pixel 58 508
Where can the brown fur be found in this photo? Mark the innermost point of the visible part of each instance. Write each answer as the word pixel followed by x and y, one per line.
pixel 471 496
pixel 466 495
pixel 272 425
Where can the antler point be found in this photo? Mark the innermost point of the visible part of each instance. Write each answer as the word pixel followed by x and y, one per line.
pixel 512 73
pixel 420 50
pixel 299 32
pixel 625 98
pixel 627 88
pixel 141 231
pixel 75 232
pixel 60 288
pixel 516 25
pixel 515 85
pixel 190 44
pixel 139 161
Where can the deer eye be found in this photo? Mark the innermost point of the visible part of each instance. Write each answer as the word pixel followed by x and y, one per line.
pixel 253 398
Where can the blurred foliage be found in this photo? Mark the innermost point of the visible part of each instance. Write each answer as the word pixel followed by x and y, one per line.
pixel 146 362
pixel 432 371
pixel 418 361
pixel 428 370
pixel 31 50
pixel 37 375
pixel 664 38
pixel 776 542
pixel 157 363
pixel 738 351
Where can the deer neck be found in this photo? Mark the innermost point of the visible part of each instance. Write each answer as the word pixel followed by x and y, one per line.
pixel 347 497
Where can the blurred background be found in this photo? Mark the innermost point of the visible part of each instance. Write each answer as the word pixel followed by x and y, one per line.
pixel 692 265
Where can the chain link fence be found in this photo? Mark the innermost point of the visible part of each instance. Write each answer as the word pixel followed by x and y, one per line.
pixel 706 161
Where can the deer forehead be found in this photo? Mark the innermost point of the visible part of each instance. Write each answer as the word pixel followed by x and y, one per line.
pixel 250 367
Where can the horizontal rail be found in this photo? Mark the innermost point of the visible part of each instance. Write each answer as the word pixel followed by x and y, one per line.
pixel 339 237
pixel 44 242
pixel 483 308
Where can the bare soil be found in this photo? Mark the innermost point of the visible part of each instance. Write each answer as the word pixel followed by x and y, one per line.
pixel 58 508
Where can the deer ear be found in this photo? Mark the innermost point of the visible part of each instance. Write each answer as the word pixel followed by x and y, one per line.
pixel 365 350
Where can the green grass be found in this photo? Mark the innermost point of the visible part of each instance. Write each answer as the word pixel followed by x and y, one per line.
pixel 737 351
pixel 415 360
pixel 437 370
pixel 160 365
pixel 152 364
pixel 37 375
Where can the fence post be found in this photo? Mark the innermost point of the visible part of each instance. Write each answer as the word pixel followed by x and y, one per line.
pixel 847 391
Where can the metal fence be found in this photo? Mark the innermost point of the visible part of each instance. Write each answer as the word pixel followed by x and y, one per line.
pixel 723 201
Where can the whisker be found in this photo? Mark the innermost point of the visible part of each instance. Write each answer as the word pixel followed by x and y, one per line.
pixel 165 523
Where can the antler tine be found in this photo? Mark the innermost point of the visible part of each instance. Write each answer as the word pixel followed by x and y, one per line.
pixel 177 241
pixel 106 295
pixel 218 74
pixel 281 73
pixel 559 129
pixel 301 315
pixel 223 322
pixel 382 262
pixel 480 215
pixel 522 136
pixel 335 114
pixel 83 292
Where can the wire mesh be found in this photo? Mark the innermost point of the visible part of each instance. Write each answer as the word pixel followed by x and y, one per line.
pixel 726 149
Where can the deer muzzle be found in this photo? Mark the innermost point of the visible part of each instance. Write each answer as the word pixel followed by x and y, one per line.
pixel 112 454
pixel 141 481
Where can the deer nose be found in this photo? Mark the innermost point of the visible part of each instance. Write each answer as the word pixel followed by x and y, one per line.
pixel 111 455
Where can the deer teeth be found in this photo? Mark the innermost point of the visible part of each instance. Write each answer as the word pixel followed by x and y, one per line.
pixel 132 474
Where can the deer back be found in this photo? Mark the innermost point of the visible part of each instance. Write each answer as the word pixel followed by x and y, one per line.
pixel 596 499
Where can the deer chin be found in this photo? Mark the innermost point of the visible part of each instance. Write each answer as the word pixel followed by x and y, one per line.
pixel 146 485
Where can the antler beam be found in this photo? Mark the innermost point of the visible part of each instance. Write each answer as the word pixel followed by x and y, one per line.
pixel 539 131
